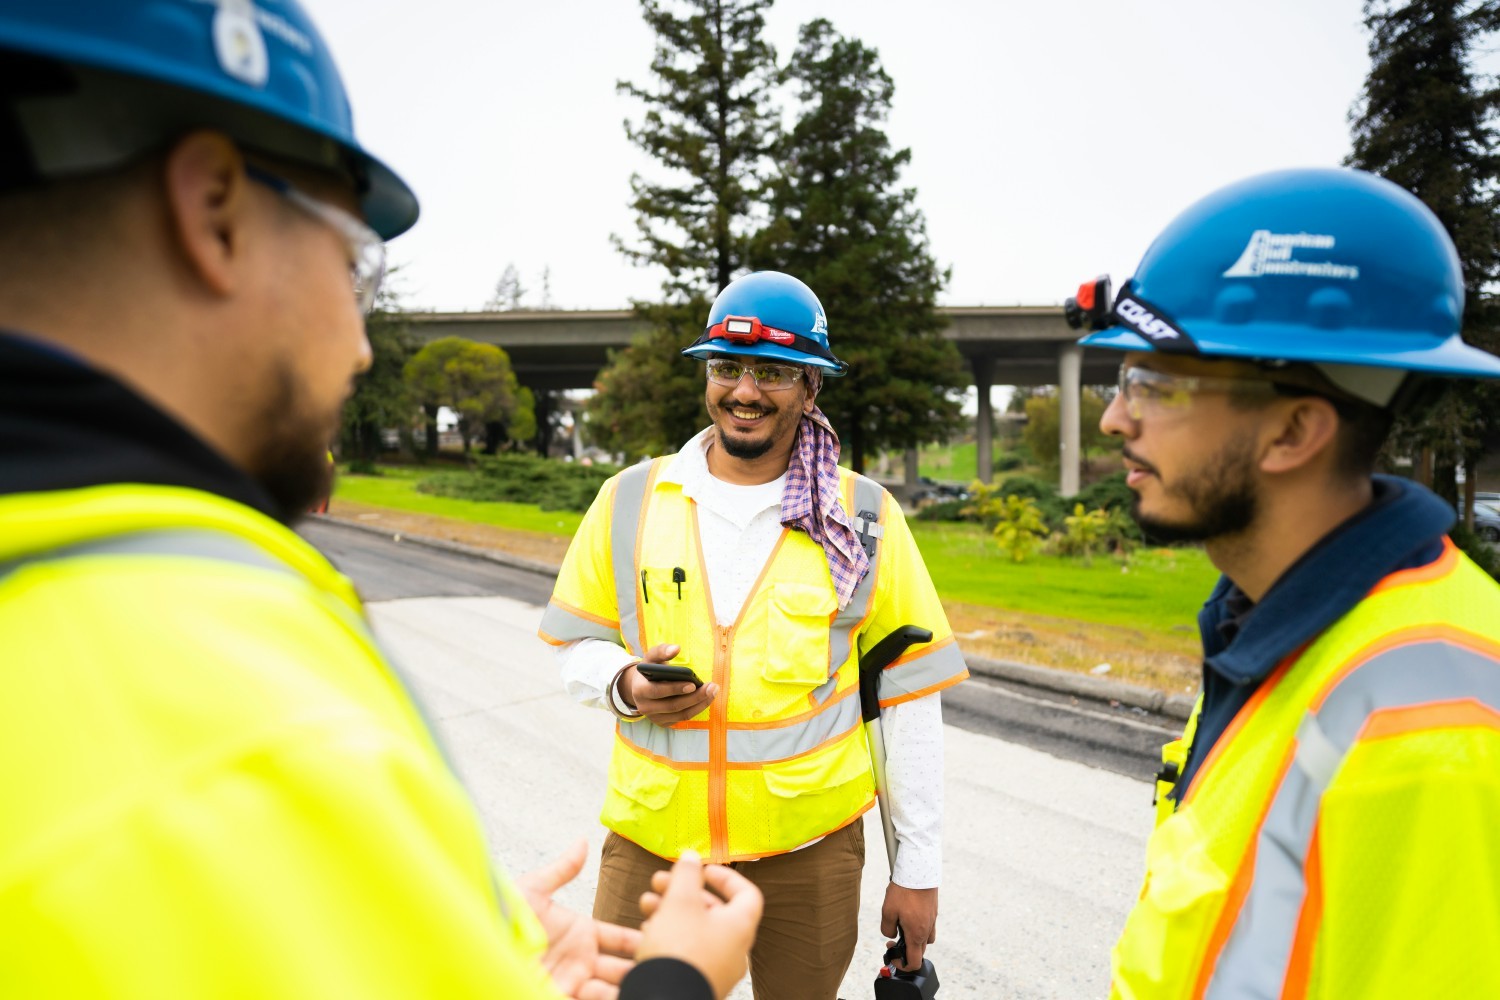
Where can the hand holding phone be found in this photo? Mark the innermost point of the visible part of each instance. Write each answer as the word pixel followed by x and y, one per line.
pixel 666 693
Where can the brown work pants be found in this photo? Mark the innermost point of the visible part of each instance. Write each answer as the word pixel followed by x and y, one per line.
pixel 811 920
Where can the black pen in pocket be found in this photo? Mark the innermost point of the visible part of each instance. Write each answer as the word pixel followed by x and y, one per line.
pixel 679 577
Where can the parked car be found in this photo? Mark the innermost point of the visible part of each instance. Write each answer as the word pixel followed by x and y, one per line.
pixel 929 490
pixel 1486 516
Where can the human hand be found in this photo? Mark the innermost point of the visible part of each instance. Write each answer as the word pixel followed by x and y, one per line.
pixel 916 911
pixel 664 702
pixel 586 958
pixel 710 930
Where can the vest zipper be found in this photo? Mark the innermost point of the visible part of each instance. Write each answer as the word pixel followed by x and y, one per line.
pixel 718 754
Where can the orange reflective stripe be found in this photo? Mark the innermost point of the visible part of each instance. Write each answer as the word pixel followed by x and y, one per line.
pixel 1244 872
pixel 924 692
pixel 1457 714
pixel 1435 570
pixel 1309 923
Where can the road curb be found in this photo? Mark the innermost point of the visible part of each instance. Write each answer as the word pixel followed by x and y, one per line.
pixel 1177 706
pixel 442 545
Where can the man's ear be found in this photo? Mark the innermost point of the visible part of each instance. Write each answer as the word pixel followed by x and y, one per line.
pixel 1308 428
pixel 208 205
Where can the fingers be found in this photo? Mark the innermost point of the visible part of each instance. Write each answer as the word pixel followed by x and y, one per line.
pixel 617 940
pixel 661 653
pixel 596 989
pixel 557 873
pixel 667 703
pixel 741 898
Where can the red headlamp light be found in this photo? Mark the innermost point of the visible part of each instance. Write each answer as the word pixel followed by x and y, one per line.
pixel 748 330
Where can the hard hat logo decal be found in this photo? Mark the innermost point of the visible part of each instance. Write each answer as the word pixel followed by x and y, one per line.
pixel 238 43
pixel 1270 253
pixel 1151 322
pixel 820 323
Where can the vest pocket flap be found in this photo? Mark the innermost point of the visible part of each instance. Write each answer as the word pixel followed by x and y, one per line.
pixel 820 771
pixel 803 600
pixel 797 634
pixel 641 780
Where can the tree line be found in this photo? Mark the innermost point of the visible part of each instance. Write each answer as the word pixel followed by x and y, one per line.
pixel 820 198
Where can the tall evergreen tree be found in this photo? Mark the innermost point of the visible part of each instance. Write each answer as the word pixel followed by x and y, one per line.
pixel 841 222
pixel 709 121
pixel 1426 121
pixel 381 399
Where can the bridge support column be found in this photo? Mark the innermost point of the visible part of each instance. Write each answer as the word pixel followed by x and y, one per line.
pixel 984 419
pixel 1070 403
pixel 909 462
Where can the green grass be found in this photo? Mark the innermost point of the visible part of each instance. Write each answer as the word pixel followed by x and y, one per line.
pixel 957 462
pixel 1161 588
pixel 396 488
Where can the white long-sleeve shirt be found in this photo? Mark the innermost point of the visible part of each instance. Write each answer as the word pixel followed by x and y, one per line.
pixel 739 526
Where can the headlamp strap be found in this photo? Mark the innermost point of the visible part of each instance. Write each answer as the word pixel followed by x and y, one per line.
pixel 1150 321
pixel 745 330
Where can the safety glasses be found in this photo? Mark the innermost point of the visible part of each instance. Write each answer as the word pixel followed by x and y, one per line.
pixel 767 377
pixel 365 247
pixel 1147 392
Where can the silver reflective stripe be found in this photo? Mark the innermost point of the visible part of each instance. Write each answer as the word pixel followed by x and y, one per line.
pixel 560 623
pixel 923 672
pixel 185 542
pixel 1255 958
pixel 868 495
pixel 624 528
pixel 745 746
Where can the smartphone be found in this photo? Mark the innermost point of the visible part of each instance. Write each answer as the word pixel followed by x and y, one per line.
pixel 666 673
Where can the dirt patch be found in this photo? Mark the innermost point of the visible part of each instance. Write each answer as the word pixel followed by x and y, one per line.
pixel 1170 665
pixel 538 547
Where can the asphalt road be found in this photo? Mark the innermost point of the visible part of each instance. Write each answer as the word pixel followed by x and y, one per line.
pixel 1042 853
pixel 1116 738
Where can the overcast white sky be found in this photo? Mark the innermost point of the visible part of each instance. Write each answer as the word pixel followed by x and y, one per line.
pixel 1051 139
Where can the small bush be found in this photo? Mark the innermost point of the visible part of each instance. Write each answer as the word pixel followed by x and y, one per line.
pixel 1485 554
pixel 1020 529
pixel 1008 460
pixel 1049 505
pixel 363 467
pixel 945 510
pixel 514 478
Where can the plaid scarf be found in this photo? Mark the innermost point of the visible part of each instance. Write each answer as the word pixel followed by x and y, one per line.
pixel 810 502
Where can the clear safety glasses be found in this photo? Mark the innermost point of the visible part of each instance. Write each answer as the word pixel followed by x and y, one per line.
pixel 1149 393
pixel 768 377
pixel 366 249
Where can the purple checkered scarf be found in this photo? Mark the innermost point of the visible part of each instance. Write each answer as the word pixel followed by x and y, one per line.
pixel 810 502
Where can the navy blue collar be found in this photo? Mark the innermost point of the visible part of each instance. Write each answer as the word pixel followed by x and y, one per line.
pixel 1404 526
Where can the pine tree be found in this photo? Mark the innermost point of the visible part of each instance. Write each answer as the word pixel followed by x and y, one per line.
pixel 841 222
pixel 508 291
pixel 709 122
pixel 380 399
pixel 1427 122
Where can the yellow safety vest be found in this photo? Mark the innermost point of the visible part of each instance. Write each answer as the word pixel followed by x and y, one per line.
pixel 1342 837
pixel 215 785
pixel 779 758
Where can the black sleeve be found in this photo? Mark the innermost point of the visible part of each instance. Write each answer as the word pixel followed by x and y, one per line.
pixel 665 979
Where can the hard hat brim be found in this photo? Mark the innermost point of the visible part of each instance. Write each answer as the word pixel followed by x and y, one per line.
pixel 773 352
pixel 1280 342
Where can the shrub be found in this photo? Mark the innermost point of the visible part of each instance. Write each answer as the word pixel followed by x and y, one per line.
pixel 1083 534
pixel 514 478
pixel 1049 505
pixel 1019 529
pixel 946 510
pixel 1485 555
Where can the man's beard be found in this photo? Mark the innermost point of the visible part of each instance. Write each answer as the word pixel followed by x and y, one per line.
pixel 1221 498
pixel 746 450
pixel 291 460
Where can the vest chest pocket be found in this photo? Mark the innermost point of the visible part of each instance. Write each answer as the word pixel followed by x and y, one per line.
pixel 796 641
pixel 670 599
pixel 1161 949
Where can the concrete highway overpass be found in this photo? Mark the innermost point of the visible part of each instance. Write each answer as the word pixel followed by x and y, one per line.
pixel 1003 345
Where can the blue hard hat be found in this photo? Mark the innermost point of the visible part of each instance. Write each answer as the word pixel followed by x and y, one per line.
pixel 1332 267
pixel 767 314
pixel 145 70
